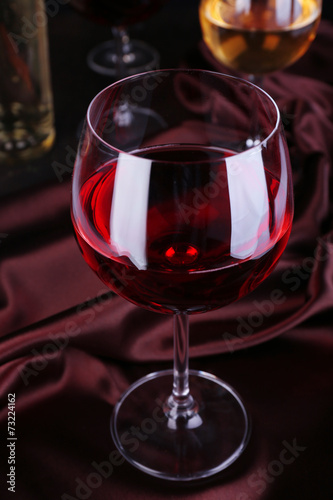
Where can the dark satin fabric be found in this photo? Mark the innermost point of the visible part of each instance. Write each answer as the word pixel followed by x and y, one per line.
pixel 69 348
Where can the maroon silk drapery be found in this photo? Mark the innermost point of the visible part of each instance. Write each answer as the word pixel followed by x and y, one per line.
pixel 69 349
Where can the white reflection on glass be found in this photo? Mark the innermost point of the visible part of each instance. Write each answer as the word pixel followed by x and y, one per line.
pixel 284 11
pixel 249 204
pixel 128 223
pixel 280 202
pixel 243 6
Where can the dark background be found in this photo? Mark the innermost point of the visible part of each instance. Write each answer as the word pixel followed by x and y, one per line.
pixel 174 31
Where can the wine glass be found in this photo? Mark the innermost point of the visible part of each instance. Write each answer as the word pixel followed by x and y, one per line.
pixel 175 214
pixel 121 56
pixel 257 37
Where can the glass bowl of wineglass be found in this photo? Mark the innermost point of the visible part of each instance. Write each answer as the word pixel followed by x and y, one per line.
pixel 120 56
pixel 176 214
pixel 257 37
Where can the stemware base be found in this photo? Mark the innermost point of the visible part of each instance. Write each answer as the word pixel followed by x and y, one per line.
pixel 180 445
pixel 103 59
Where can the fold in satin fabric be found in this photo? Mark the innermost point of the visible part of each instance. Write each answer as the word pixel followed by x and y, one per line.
pixel 69 347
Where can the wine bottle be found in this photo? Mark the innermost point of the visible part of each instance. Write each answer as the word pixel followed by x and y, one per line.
pixel 26 102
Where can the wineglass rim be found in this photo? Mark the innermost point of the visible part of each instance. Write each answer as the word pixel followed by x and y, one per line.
pixel 257 146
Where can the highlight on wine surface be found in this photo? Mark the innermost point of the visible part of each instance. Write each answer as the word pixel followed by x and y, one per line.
pixel 176 213
pixel 259 36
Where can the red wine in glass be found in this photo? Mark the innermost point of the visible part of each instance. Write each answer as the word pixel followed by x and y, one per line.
pixel 178 212
pixel 121 56
pixel 185 270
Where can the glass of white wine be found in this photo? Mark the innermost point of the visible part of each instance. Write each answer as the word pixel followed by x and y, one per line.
pixel 257 37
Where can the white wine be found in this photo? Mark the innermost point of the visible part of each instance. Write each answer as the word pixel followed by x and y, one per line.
pixel 26 103
pixel 259 36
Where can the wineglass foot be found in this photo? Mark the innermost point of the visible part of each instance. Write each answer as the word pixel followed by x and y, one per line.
pixel 194 444
pixel 141 57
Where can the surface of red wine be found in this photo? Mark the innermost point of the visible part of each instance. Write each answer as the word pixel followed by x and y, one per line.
pixel 117 13
pixel 182 253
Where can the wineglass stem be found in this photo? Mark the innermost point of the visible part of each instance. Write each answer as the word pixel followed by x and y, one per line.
pixel 123 49
pixel 254 138
pixel 257 80
pixel 180 403
pixel 181 389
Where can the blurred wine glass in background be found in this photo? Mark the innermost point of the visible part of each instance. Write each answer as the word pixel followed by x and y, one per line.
pixel 258 37
pixel 120 56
